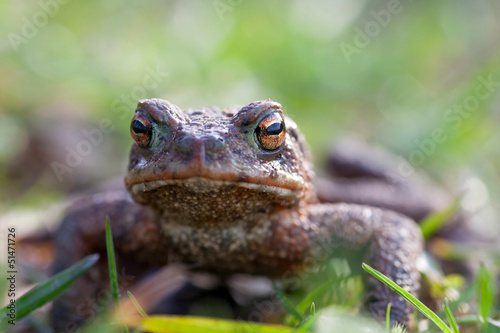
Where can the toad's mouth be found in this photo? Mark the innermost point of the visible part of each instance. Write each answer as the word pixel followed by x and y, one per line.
pixel 205 185
pixel 203 180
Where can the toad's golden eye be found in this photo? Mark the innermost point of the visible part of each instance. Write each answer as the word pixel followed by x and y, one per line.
pixel 271 132
pixel 141 130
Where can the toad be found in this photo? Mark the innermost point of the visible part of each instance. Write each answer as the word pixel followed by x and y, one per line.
pixel 231 191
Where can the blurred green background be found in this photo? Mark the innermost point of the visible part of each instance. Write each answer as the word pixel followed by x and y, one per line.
pixel 392 72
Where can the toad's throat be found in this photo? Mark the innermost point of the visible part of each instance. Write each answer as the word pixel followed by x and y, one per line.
pixel 200 199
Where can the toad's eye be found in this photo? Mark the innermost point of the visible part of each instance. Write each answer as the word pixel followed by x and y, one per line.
pixel 271 132
pixel 141 130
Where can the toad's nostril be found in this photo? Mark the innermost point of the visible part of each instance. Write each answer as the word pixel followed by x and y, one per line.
pixel 184 146
pixel 214 144
pixel 191 149
pixel 199 150
pixel 214 148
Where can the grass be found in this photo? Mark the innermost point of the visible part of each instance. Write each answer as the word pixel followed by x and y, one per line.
pixel 47 291
pixel 137 305
pixel 451 318
pixel 304 314
pixel 294 311
pixel 485 283
pixel 421 307
pixel 113 274
pixel 171 324
pixel 486 294
pixel 388 318
pixel 285 51
pixel 434 222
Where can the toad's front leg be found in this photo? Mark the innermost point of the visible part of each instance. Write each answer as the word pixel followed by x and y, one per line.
pixel 389 242
pixel 82 233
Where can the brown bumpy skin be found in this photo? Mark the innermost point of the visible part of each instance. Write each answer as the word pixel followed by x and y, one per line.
pixel 203 190
pixel 369 175
pixel 389 242
pixel 82 232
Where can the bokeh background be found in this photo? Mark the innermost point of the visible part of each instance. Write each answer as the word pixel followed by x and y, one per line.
pixel 392 72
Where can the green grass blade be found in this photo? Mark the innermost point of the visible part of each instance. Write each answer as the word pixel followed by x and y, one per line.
pixel 288 305
pixel 186 324
pixel 486 294
pixel 113 275
pixel 309 320
pixel 409 297
pixel 467 320
pixel 137 305
pixel 450 316
pixel 47 291
pixel 434 222
pixel 317 293
pixel 306 325
pixel 388 318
